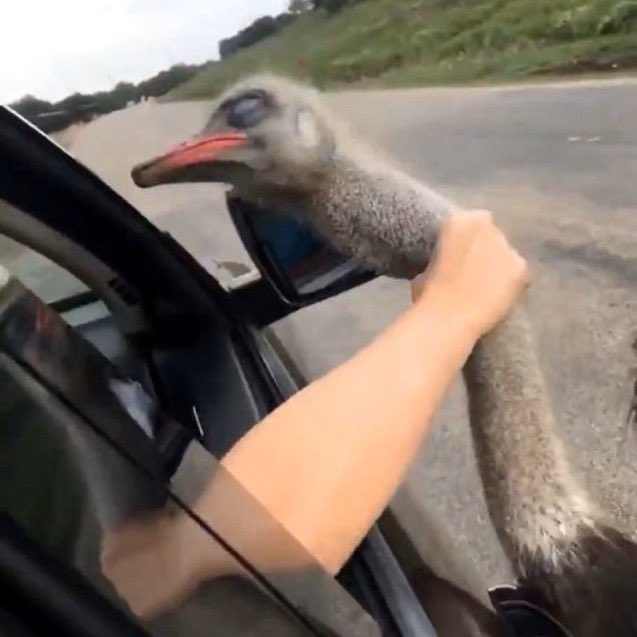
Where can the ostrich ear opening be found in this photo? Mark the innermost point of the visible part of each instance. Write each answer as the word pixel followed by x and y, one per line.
pixel 308 129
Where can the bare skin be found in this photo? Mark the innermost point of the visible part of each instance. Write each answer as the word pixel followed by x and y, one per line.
pixel 355 431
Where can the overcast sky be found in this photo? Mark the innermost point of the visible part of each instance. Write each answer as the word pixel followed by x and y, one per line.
pixel 51 48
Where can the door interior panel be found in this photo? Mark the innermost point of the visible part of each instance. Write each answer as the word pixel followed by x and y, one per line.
pixel 85 464
pixel 205 380
pixel 107 338
pixel 179 333
pixel 206 384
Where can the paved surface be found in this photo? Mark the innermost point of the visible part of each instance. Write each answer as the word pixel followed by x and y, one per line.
pixel 558 164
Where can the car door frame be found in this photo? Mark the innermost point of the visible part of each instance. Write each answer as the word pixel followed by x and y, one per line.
pixel 128 243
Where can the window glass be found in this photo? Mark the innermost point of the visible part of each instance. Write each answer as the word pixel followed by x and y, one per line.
pixel 48 280
pixel 51 282
pixel 83 473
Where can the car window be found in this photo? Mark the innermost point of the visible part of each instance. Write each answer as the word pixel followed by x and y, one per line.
pixel 50 281
pixel 83 474
pixel 47 279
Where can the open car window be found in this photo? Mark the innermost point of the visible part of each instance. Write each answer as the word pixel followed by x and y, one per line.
pixel 83 469
pixel 54 284
pixel 47 279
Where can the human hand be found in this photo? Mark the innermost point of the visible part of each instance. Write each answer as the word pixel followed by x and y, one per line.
pixel 155 562
pixel 475 275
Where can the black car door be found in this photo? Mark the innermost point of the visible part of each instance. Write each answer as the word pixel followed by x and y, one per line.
pixel 79 461
pixel 72 468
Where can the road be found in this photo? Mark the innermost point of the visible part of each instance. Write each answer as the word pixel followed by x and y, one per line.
pixel 558 165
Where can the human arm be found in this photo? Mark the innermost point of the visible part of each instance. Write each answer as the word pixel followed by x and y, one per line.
pixel 326 463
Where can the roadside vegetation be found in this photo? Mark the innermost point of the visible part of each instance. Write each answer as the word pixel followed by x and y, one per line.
pixel 420 42
pixel 77 108
pixel 386 43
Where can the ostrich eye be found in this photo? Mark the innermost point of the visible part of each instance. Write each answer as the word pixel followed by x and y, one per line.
pixel 247 110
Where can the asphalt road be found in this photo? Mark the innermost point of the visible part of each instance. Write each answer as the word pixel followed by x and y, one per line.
pixel 558 165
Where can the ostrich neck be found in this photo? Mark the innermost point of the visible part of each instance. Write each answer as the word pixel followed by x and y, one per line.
pixel 534 500
pixel 389 223
pixel 380 217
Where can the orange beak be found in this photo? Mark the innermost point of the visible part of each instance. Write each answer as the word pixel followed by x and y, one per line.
pixel 204 149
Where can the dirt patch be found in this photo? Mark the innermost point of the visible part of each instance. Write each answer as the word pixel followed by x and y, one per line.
pixel 66 138
pixel 625 60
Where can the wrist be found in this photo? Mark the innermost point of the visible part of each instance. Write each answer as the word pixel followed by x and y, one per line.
pixel 449 319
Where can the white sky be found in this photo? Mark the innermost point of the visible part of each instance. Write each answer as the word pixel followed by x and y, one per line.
pixel 51 48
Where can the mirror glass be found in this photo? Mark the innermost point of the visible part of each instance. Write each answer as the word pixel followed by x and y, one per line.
pixel 298 261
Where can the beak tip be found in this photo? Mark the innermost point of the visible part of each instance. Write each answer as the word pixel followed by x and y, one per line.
pixel 142 176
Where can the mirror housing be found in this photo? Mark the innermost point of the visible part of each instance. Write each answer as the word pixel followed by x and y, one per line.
pixel 300 266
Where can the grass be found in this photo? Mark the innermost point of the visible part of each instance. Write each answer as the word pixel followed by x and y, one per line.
pixel 418 42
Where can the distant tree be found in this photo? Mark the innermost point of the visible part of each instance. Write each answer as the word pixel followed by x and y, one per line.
pixel 332 6
pixel 260 29
pixel 227 47
pixel 284 19
pixel 29 106
pixel 300 6
pixel 74 102
pixel 167 80
pixel 124 92
pixel 81 107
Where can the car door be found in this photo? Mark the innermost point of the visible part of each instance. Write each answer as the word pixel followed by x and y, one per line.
pixel 84 461
pixel 197 349
pixel 87 447
pixel 79 462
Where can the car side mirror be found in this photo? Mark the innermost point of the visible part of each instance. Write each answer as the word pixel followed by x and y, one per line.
pixel 299 264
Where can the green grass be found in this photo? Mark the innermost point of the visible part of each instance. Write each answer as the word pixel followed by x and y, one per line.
pixel 417 42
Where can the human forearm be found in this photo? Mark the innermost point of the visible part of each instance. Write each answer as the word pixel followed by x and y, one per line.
pixel 326 462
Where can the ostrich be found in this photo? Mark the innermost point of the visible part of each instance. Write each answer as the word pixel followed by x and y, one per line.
pixel 276 143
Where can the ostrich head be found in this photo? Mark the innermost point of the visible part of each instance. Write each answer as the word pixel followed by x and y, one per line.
pixel 264 132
